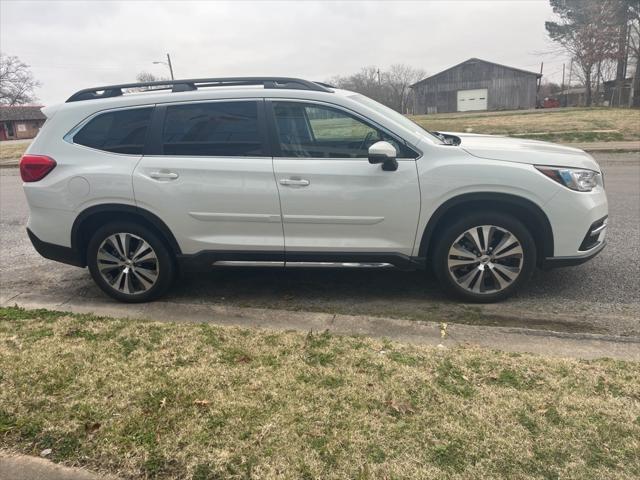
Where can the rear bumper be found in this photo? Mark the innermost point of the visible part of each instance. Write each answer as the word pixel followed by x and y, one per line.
pixel 56 252
pixel 555 262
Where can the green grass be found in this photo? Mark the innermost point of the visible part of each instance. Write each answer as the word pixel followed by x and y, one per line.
pixel 164 400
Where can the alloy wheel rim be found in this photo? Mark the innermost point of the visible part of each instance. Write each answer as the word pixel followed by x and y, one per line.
pixel 128 263
pixel 485 259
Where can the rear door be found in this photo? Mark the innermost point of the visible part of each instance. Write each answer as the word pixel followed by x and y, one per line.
pixel 333 200
pixel 209 176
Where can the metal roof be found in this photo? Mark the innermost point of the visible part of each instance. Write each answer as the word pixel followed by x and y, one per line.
pixel 477 60
pixel 21 112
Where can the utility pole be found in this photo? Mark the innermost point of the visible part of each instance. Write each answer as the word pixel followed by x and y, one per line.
pixel 562 85
pixel 569 83
pixel 539 83
pixel 378 72
pixel 170 66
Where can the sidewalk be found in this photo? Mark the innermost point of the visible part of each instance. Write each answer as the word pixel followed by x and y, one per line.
pixel 23 467
pixel 511 339
pixel 633 146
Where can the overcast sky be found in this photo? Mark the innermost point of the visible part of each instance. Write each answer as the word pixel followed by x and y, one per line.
pixel 74 45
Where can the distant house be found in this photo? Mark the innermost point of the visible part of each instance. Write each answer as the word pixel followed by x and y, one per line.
pixel 618 94
pixel 574 96
pixel 20 122
pixel 476 85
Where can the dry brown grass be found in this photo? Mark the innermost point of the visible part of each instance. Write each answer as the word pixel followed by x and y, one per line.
pixel 12 151
pixel 574 124
pixel 154 400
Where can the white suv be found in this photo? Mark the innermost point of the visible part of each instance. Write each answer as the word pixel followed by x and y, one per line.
pixel 137 181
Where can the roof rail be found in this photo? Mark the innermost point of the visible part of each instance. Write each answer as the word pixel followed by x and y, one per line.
pixel 324 84
pixel 193 84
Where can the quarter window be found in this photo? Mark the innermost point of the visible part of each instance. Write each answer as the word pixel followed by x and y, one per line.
pixel 123 131
pixel 310 130
pixel 218 129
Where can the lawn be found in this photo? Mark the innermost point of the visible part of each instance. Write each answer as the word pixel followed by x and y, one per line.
pixel 561 125
pixel 167 400
pixel 12 150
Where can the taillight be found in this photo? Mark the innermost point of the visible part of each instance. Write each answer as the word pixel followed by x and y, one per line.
pixel 35 167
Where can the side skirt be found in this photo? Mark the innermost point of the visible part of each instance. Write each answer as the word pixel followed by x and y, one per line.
pixel 207 260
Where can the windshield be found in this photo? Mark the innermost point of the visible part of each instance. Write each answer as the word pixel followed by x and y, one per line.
pixel 394 116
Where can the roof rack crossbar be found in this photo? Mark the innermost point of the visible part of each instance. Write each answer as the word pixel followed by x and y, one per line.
pixel 193 84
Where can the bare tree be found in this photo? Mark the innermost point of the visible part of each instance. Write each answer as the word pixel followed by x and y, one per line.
pixel 368 81
pixel 17 84
pixel 144 77
pixel 390 87
pixel 399 78
pixel 549 89
pixel 634 48
pixel 149 77
pixel 588 30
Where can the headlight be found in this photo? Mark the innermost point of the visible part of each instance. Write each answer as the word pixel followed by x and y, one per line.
pixel 574 178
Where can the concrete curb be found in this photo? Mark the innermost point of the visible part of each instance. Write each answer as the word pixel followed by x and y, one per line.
pixel 512 339
pixel 23 467
pixel 616 146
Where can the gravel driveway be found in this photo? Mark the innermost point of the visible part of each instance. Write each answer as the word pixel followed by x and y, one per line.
pixel 601 296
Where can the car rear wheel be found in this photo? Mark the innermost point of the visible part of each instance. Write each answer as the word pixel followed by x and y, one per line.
pixel 130 262
pixel 484 257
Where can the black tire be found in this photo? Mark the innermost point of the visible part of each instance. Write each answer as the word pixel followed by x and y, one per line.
pixel 452 232
pixel 163 264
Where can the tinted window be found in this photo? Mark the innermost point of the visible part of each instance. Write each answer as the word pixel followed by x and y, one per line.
pixel 309 130
pixel 123 131
pixel 224 129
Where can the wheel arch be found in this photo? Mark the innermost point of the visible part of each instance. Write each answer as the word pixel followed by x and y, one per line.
pixel 528 212
pixel 98 215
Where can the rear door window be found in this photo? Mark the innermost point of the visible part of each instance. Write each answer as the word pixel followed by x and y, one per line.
pixel 216 129
pixel 122 131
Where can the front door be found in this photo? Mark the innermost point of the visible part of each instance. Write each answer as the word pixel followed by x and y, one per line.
pixel 210 178
pixel 333 200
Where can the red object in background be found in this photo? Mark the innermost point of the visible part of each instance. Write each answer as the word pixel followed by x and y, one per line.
pixel 35 167
pixel 551 103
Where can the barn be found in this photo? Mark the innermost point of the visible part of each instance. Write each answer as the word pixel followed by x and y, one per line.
pixel 473 85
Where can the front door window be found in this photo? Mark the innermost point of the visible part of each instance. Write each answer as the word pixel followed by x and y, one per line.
pixel 317 131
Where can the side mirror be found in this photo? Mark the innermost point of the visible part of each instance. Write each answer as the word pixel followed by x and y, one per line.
pixel 384 153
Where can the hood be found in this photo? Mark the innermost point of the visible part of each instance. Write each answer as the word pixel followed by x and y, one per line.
pixel 521 150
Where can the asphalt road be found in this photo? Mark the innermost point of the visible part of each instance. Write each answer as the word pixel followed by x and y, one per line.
pixel 601 296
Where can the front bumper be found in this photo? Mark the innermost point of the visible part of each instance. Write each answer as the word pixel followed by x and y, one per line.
pixel 556 262
pixel 574 216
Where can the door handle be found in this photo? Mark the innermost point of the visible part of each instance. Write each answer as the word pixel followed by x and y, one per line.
pixel 164 175
pixel 294 182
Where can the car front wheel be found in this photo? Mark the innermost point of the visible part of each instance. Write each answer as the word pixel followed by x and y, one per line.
pixel 129 262
pixel 484 257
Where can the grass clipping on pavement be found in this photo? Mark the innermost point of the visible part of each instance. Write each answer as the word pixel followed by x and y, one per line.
pixel 158 400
